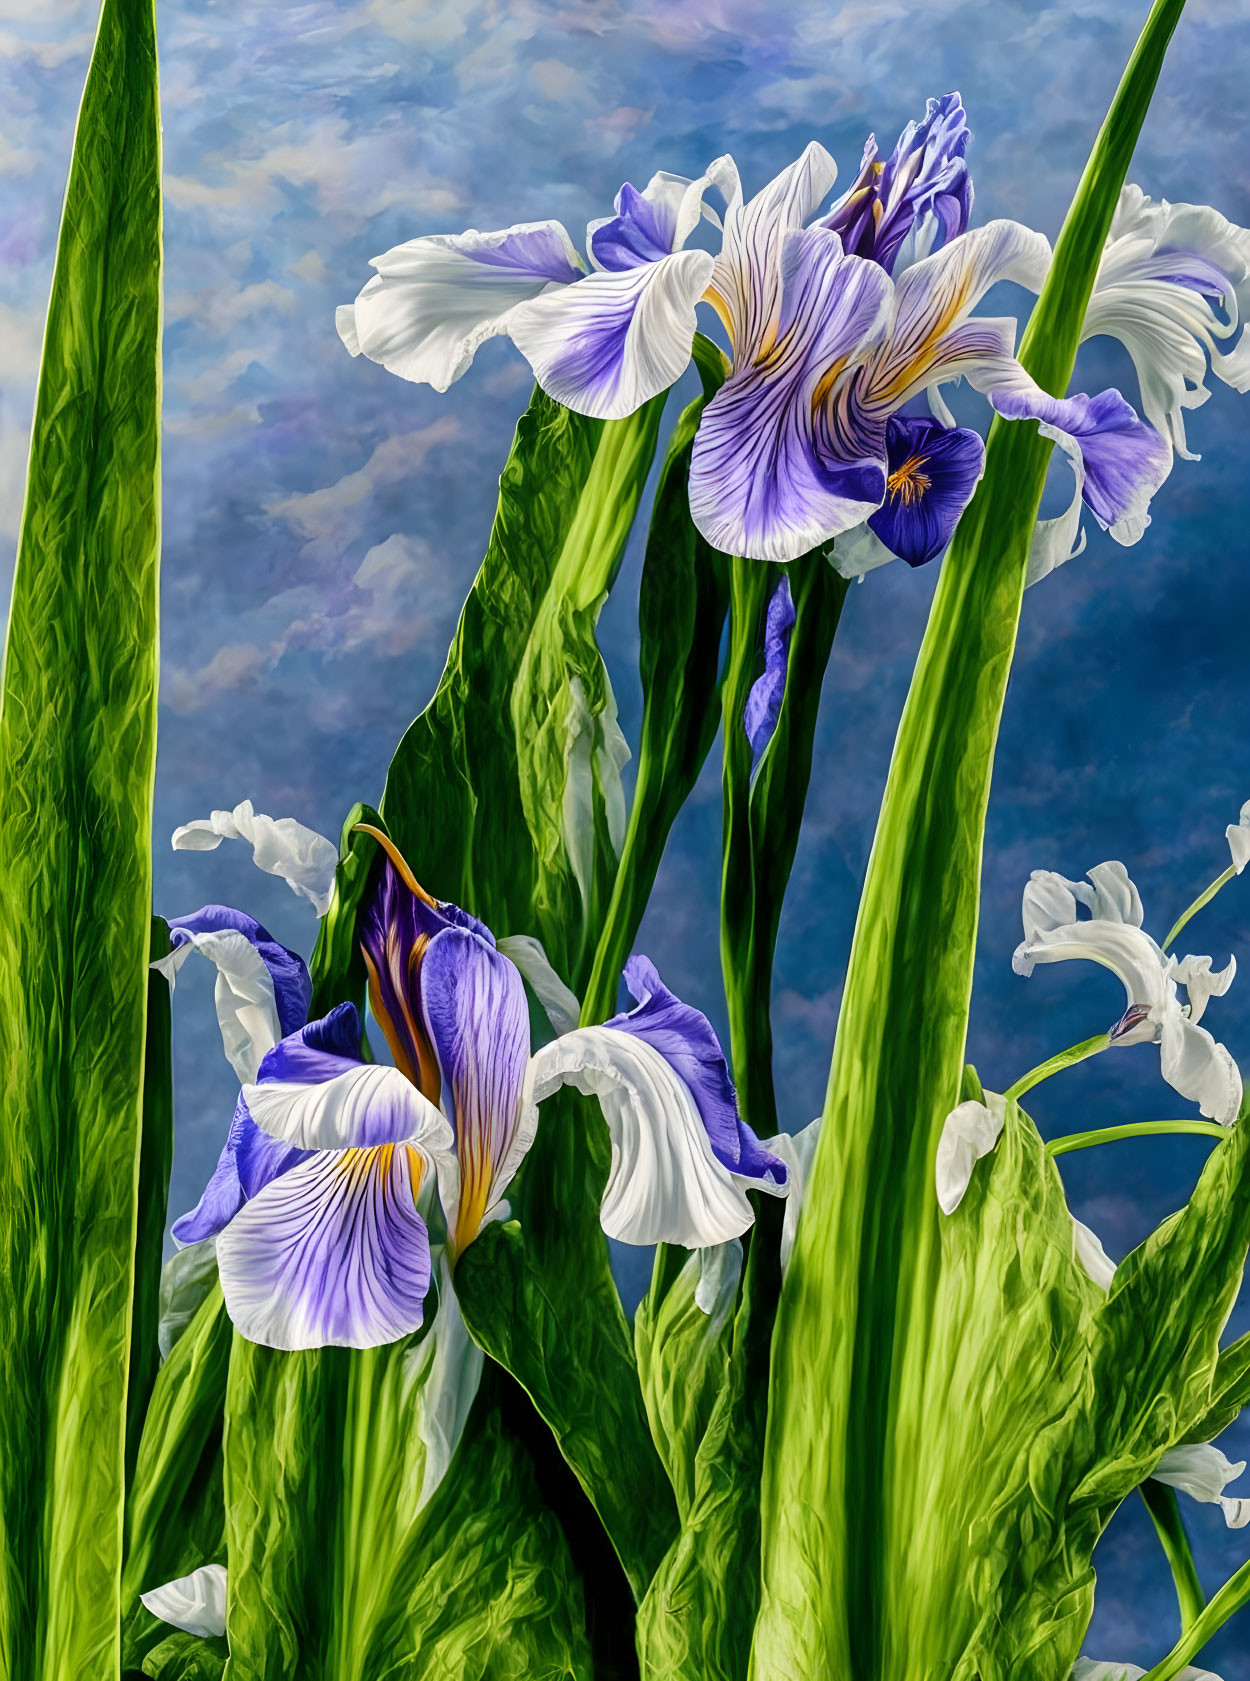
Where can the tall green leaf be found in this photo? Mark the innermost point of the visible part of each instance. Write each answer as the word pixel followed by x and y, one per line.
pixel 77 748
pixel 847 1423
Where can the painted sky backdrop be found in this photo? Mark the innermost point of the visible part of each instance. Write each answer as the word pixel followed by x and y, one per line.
pixel 323 520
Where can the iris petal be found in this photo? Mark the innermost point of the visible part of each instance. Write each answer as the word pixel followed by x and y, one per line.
pixel 367 1104
pixel 332 1254
pixel 763 706
pixel 933 473
pixel 305 860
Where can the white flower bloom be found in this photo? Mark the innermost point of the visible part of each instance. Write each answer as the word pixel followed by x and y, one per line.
pixel 305 860
pixel 971 1131
pixel 1086 1669
pixel 1239 839
pixel 1200 1470
pixel 798 1151
pixel 1193 1064
pixel 194 1603
pixel 1161 266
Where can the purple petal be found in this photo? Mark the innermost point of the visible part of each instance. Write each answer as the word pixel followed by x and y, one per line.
pixel 933 472
pixel 318 1051
pixel 292 988
pixel 764 701
pixel 332 1254
pixel 396 922
pixel 923 187
pixel 640 232
pixel 765 481
pixel 473 1003
pixel 532 251
pixel 1125 460
pixel 687 1041
pixel 249 1160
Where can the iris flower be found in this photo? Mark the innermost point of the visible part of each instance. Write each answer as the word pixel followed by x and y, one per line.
pixel 337 1174
pixel 834 324
pixel 1111 934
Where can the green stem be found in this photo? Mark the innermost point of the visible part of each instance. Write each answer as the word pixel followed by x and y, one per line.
pixel 1165 1514
pixel 1056 1064
pixel 1134 1129
pixel 1230 1599
pixel 1202 899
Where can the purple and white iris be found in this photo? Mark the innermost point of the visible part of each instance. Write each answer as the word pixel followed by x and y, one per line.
pixel 835 323
pixel 339 1177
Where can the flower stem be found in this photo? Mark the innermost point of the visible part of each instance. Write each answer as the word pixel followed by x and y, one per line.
pixel 1056 1064
pixel 1134 1129
pixel 1204 898
pixel 1231 1597
pixel 1165 1513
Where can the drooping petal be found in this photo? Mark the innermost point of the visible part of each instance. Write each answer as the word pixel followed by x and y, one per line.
pixel 335 1253
pixel 767 478
pixel 262 990
pixel 530 956
pixel 1161 266
pixel 368 1104
pixel 658 220
pixel 473 1002
pixel 666 1184
pixel 195 1603
pixel 900 210
pixel 1238 837
pixel 746 285
pixel 687 1041
pixel 763 705
pixel 1199 1068
pixel 1202 1471
pixel 221 1200
pixel 933 471
pixel 616 339
pixel 971 1131
pixel 305 860
pixel 797 1150
pixel 434 300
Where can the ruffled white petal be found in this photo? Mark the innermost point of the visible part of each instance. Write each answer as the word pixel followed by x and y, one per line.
pixel 558 1000
pixel 369 1104
pixel 305 860
pixel 247 1011
pixel 617 338
pixel 1199 1068
pixel 194 1603
pixel 1238 836
pixel 1201 982
pixel 665 1184
pixel 971 1131
pixel 434 300
pixel 1200 1470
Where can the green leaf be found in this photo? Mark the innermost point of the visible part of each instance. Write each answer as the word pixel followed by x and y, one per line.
pixel 175 1516
pixel 763 816
pixel 156 1156
pixel 183 1657
pixel 77 751
pixel 682 604
pixel 601 1425
pixel 696 1621
pixel 1230 1392
pixel 853 1327
pixel 337 967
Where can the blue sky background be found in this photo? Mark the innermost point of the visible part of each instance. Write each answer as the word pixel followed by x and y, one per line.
pixel 323 521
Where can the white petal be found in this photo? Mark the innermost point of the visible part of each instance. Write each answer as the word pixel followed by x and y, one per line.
pixel 530 957
pixel 434 300
pixel 1092 1256
pixel 305 860
pixel 371 1104
pixel 665 1184
pixel 1198 1068
pixel 1059 540
pixel 186 1279
pixel 797 1150
pixel 1196 976
pixel 1128 952
pixel 194 1603
pixel 858 552
pixel 1086 1669
pixel 1203 1472
pixel 247 1012
pixel 720 1268
pixel 1238 836
pixel 447 1371
pixel 971 1131
pixel 616 339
